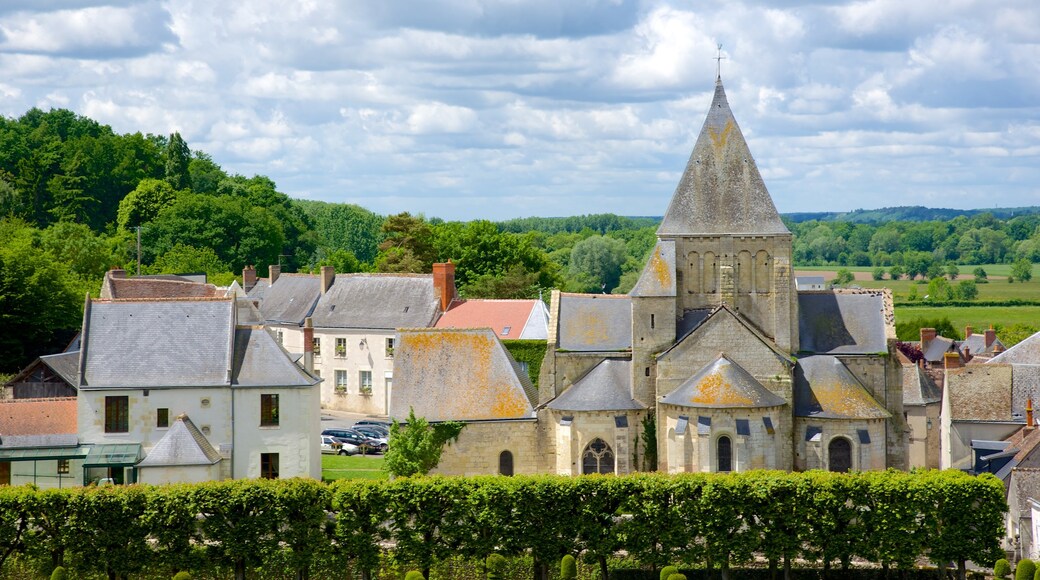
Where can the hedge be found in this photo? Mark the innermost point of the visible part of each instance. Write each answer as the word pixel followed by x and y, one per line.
pixel 707 521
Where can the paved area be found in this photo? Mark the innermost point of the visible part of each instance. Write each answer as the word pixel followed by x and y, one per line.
pixel 331 419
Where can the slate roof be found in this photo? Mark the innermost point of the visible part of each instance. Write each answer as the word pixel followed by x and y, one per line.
pixel 259 290
pixel 157 343
pixel 979 392
pixel 1025 384
pixel 721 190
pixel 524 319
pixel 38 423
pixel 825 388
pixel 142 287
pixel 607 387
pixel 845 321
pixel 976 345
pixel 935 350
pixel 290 299
pixel 261 362
pixel 65 364
pixel 658 277
pixel 450 374
pixel 722 384
pixel 1025 352
pixel 690 320
pixel 595 322
pixel 183 444
pixel 385 301
pixel 918 387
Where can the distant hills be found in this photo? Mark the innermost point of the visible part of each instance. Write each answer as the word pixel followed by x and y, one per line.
pixel 914 213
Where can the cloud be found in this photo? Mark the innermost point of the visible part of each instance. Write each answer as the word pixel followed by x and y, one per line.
pixel 93 32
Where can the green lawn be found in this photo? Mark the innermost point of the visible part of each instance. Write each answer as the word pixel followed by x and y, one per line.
pixel 352 467
pixel 979 317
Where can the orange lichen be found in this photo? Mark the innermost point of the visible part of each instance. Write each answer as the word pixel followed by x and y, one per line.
pixel 508 403
pixel 718 139
pixel 715 390
pixel 846 400
pixel 660 270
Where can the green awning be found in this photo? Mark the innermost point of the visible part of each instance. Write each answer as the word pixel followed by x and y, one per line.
pixel 113 454
pixel 44 453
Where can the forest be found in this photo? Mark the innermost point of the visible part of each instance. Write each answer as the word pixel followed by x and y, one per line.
pixel 76 197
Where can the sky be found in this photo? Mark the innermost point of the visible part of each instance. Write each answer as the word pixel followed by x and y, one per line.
pixel 494 109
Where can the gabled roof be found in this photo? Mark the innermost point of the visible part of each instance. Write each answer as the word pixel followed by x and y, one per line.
pixel 157 343
pixel 845 321
pixel 261 362
pixel 448 374
pixel 979 392
pixel 825 388
pixel 658 277
pixel 976 345
pixel 696 320
pixel 118 287
pixel 918 387
pixel 183 444
pixel 722 384
pixel 64 364
pixel 607 387
pixel 290 299
pixel 595 322
pixel 510 319
pixel 38 422
pixel 1025 352
pixel 935 349
pixel 721 190
pixel 386 301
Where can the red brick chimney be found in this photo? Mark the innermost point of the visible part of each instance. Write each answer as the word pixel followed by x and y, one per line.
pixel 967 353
pixel 328 276
pixel 273 271
pixel 444 283
pixel 991 336
pixel 927 336
pixel 248 278
pixel 117 273
pixel 1029 413
pixel 952 360
pixel 308 345
pixel 967 332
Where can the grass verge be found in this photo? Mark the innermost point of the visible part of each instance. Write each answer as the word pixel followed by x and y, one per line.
pixel 335 467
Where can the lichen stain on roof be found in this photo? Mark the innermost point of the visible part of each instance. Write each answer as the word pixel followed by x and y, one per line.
pixel 826 388
pixel 719 138
pixel 595 322
pixel 659 267
pixel 723 383
pixel 715 390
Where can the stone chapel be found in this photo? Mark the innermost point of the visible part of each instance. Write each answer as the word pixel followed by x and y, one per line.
pixel 739 370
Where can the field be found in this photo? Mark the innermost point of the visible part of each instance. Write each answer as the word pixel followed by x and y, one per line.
pixel 352 467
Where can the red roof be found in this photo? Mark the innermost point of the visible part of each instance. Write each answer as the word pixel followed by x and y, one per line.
pixel 506 317
pixel 38 416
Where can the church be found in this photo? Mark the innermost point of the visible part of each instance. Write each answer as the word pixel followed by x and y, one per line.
pixel 714 362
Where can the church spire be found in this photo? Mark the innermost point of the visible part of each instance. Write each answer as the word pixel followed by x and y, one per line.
pixel 721 190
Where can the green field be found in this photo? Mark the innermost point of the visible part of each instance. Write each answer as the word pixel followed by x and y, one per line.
pixel 352 467
pixel 978 317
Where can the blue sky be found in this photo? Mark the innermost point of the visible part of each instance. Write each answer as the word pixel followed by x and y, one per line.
pixel 494 109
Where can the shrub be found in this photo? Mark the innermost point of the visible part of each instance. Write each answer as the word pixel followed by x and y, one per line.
pixel 414 575
pixel 496 565
pixel 1025 570
pixel 568 568
pixel 1001 569
pixel 667 571
pixel 59 573
pixel 878 273
pixel 677 576
pixel 182 575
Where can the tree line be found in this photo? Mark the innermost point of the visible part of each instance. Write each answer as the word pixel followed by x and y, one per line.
pixel 304 527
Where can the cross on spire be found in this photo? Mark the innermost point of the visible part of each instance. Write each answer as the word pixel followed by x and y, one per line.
pixel 718 64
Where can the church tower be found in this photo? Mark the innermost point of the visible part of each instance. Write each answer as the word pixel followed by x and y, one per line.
pixel 731 246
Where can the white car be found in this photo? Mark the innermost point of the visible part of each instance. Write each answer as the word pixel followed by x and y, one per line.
pixel 332 445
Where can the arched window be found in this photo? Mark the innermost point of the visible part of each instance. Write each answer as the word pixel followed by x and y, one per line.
pixel 724 453
pixel 598 458
pixel 839 455
pixel 505 463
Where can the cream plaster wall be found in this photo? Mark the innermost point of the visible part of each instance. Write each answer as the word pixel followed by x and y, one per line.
pixel 296 439
pixel 371 356
pixel 179 474
pixel 923 439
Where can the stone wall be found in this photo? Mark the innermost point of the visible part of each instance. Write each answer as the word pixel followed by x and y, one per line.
pixel 481 443
pixel 814 454
pixel 695 449
pixel 587 426
pixel 923 439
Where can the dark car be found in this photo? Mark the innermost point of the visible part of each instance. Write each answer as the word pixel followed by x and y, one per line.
pixel 373 431
pixel 376 422
pixel 364 442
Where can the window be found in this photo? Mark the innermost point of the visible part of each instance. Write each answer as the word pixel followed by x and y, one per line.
pixel 162 418
pixel 63 467
pixel 341 348
pixel 316 346
pixel 724 455
pixel 505 331
pixel 269 465
pixel 505 463
pixel 341 381
pixel 839 455
pixel 598 458
pixel 365 382
pixel 278 336
pixel 390 348
pixel 268 410
pixel 117 414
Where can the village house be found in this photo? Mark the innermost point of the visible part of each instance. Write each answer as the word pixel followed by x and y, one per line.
pixel 737 369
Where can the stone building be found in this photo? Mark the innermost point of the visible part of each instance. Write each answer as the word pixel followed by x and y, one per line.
pixel 738 368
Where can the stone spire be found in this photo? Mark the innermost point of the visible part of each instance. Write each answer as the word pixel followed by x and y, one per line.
pixel 721 190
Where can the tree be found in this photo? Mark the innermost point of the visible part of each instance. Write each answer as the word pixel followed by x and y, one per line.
pixel 952 271
pixel 514 283
pixel 939 290
pixel 597 261
pixel 408 245
pixel 878 273
pixel 183 259
pixel 144 203
pixel 1022 270
pixel 178 158
pixel 966 290
pixel 895 272
pixel 343 261
pixel 415 448
pixel 980 274
pixel 844 277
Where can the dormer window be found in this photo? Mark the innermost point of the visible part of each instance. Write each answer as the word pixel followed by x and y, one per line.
pixel 505 331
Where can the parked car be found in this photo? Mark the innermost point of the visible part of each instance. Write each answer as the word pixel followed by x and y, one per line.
pixel 376 422
pixel 364 442
pixel 332 445
pixel 373 431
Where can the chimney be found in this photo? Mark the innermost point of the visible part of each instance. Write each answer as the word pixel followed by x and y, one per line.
pixel 991 336
pixel 1029 413
pixel 328 276
pixel 273 271
pixel 927 336
pixel 248 278
pixel 952 360
pixel 444 283
pixel 967 332
pixel 117 273
pixel 308 345
pixel 967 353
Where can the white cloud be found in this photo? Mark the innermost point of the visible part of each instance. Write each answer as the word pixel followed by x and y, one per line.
pixel 430 118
